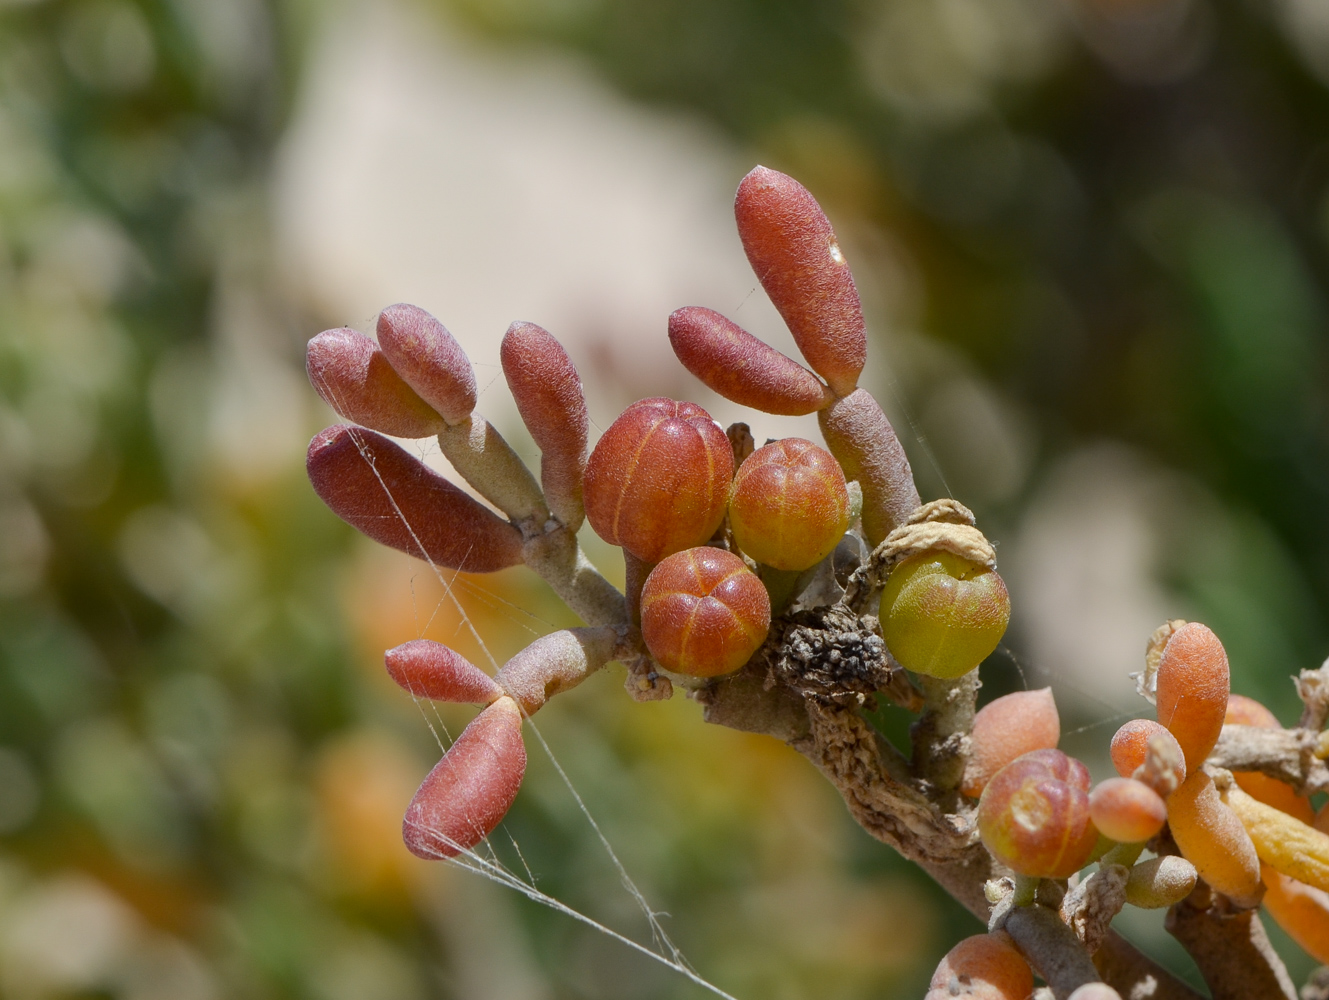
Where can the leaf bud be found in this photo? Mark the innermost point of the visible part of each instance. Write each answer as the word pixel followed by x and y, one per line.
pixel 1126 810
pixel 982 967
pixel 429 359
pixel 793 250
pixel 1192 690
pixel 741 368
pixel 1131 749
pixel 395 499
pixel 1006 728
pixel 431 670
pixel 1160 882
pixel 1212 838
pixel 549 397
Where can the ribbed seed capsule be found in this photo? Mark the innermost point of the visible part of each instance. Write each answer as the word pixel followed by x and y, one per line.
pixel 790 505
pixel 1034 815
pixel 942 615
pixel 703 612
pixel 657 482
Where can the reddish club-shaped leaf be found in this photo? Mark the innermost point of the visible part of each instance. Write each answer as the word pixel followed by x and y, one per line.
pixel 1192 690
pixel 429 359
pixel 657 482
pixel 395 499
pixel 353 376
pixel 742 368
pixel 864 443
pixel 549 397
pixel 471 789
pixel 431 670
pixel 793 250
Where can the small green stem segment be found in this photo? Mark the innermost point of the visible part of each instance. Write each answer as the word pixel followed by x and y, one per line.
pixel 1122 854
pixel 1026 888
pixel 781 585
pixel 941 734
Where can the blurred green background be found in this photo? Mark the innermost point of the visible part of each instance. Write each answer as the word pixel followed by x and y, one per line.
pixel 1091 238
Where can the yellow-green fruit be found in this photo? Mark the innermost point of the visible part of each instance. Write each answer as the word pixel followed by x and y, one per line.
pixel 942 615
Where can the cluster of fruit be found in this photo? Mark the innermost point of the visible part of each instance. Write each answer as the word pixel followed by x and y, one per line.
pixel 1253 841
pixel 719 539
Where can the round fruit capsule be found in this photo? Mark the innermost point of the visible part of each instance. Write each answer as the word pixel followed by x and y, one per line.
pixel 1034 815
pixel 1126 810
pixel 942 615
pixel 982 967
pixel 657 481
pixel 1006 728
pixel 790 505
pixel 703 612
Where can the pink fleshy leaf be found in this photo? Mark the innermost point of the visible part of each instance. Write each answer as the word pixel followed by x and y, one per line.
pixel 429 359
pixel 548 392
pixel 742 368
pixel 395 499
pixel 471 789
pixel 432 670
pixel 793 250
pixel 353 376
